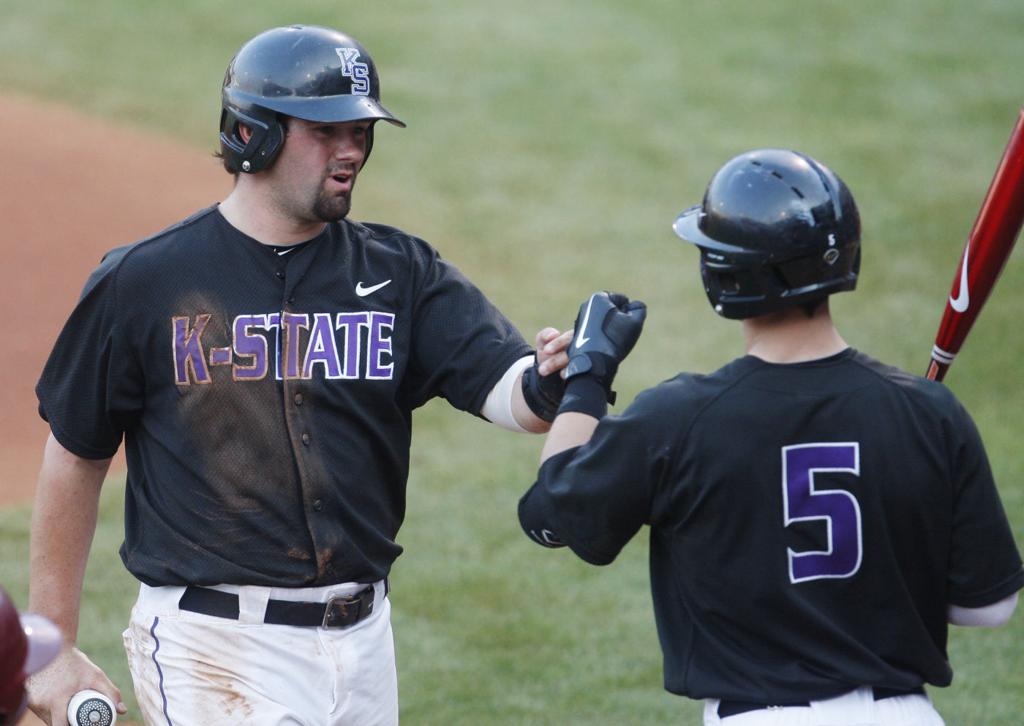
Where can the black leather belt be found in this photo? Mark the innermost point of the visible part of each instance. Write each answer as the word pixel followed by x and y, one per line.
pixel 338 612
pixel 728 708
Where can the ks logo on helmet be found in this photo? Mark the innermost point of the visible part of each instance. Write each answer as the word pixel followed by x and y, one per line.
pixel 269 80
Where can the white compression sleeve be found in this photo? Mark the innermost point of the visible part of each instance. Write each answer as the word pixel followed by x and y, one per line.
pixel 990 616
pixel 498 406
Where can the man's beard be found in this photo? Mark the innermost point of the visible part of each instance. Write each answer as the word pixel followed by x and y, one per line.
pixel 333 207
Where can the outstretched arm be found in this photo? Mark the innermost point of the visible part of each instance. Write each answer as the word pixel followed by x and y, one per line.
pixel 607 328
pixel 526 397
pixel 568 431
pixel 551 360
pixel 63 523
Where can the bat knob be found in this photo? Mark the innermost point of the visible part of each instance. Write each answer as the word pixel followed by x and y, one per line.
pixel 91 708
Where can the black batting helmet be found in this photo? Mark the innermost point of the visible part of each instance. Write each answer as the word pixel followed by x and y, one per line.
pixel 776 228
pixel 304 71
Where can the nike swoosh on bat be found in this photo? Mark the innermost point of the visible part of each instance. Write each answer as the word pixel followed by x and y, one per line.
pixel 962 301
pixel 583 339
pixel 362 291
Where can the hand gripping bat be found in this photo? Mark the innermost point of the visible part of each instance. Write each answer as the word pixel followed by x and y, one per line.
pixel 988 247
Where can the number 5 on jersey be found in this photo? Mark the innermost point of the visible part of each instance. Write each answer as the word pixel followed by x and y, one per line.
pixel 837 508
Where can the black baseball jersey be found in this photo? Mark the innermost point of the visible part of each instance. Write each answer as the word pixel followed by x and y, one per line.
pixel 809 524
pixel 265 400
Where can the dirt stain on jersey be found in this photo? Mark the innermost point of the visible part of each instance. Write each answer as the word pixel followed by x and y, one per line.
pixel 254 448
pixel 297 554
pixel 238 440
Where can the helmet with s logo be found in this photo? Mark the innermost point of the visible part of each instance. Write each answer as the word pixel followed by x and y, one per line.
pixel 303 71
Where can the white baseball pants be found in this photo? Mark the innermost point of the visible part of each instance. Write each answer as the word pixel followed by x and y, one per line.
pixel 191 669
pixel 856 708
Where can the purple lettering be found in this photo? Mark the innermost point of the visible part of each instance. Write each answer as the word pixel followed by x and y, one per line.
pixel 322 348
pixel 379 345
pixel 274 324
pixel 300 343
pixel 352 323
pixel 189 357
pixel 291 324
pixel 837 509
pixel 250 345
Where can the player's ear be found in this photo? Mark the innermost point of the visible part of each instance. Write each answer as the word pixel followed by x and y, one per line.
pixel 244 133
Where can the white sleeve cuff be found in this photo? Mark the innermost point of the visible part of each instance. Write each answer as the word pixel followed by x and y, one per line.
pixel 498 406
pixel 990 616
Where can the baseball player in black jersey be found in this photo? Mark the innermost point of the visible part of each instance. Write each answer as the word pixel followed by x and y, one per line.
pixel 817 517
pixel 261 361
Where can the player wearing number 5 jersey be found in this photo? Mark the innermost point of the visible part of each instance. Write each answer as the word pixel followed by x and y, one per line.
pixel 817 517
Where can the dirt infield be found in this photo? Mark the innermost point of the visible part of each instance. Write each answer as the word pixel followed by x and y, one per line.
pixel 71 188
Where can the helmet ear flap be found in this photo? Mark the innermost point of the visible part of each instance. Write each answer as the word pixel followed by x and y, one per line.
pixel 261 148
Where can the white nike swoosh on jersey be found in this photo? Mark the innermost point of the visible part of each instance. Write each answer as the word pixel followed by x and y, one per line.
pixel 962 301
pixel 362 291
pixel 583 339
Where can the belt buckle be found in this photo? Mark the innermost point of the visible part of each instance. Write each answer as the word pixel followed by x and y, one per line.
pixel 337 612
pixel 340 612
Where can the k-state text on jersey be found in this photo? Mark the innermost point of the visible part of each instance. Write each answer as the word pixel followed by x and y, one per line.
pixel 343 345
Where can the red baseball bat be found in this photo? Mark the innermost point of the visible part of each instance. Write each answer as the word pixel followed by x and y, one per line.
pixel 988 247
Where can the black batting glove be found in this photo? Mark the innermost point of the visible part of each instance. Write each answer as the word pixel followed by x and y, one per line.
pixel 607 327
pixel 543 393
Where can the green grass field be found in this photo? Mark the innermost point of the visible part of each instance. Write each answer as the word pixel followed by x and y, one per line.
pixel 550 146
